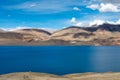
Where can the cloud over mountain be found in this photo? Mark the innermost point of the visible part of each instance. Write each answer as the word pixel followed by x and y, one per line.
pixel 108 7
pixel 55 14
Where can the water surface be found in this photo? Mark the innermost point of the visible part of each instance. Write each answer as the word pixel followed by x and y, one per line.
pixel 59 59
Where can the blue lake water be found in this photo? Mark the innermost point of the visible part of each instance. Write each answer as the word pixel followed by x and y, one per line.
pixel 59 59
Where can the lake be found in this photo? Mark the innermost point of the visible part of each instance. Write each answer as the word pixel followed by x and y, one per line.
pixel 59 60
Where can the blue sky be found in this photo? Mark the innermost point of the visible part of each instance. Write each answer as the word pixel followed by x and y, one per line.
pixel 57 14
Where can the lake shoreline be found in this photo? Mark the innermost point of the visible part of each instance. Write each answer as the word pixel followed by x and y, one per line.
pixel 75 76
pixel 12 42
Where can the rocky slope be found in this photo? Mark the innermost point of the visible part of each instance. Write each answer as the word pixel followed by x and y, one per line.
pixel 2 30
pixel 23 35
pixel 71 33
pixel 33 34
pixel 105 34
pixel 43 76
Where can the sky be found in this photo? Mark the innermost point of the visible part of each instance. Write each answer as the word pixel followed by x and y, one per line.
pixel 57 14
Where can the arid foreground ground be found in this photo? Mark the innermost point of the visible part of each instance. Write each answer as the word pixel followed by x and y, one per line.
pixel 42 76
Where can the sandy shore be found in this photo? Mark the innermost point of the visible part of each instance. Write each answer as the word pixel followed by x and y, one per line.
pixel 43 76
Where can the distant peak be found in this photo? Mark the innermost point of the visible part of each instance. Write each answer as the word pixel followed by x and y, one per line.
pixel 35 29
pixel 73 27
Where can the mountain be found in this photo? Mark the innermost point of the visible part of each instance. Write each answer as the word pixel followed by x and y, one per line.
pixel 23 36
pixel 109 27
pixel 10 35
pixel 105 34
pixel 71 33
pixel 33 34
pixel 1 30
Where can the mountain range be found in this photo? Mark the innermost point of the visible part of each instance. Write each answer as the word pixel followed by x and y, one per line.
pixel 105 34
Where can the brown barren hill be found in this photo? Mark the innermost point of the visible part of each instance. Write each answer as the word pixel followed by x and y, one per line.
pixel 105 34
pixel 35 34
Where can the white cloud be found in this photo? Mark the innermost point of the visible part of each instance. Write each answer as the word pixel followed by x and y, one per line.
pixel 118 22
pixel 96 22
pixel 16 28
pixel 79 24
pixel 76 8
pixel 111 22
pixel 100 22
pixel 110 1
pixel 108 7
pixel 26 27
pixel 22 27
pixel 116 2
pixel 45 6
pixel 33 5
pixel 64 27
pixel 73 20
pixel 93 6
pixel 114 22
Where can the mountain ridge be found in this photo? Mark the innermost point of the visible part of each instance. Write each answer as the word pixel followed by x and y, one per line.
pixel 105 34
